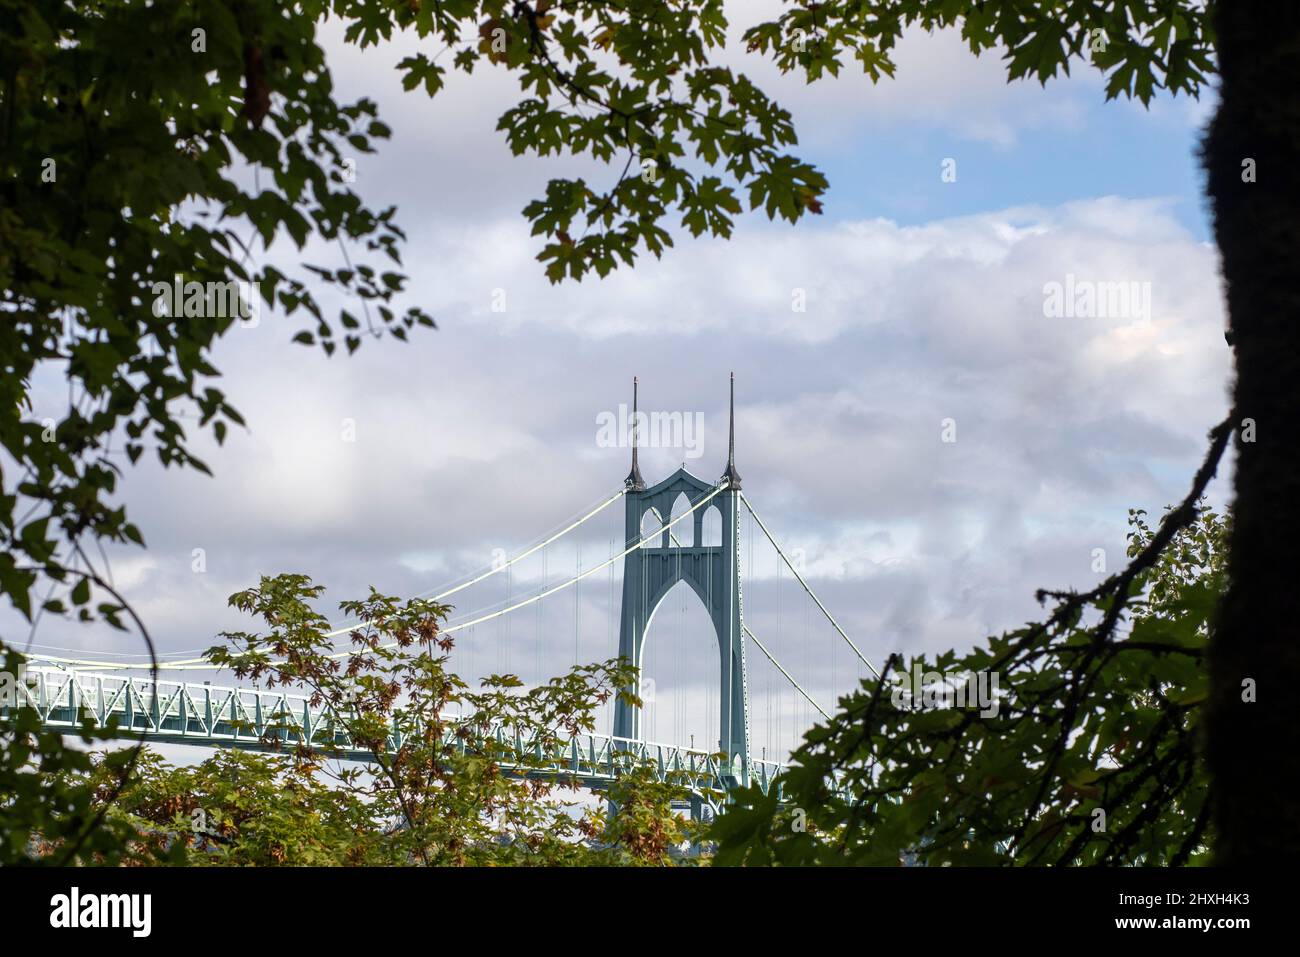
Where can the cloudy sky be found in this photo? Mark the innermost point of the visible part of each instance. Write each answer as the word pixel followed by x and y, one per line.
pixel 408 466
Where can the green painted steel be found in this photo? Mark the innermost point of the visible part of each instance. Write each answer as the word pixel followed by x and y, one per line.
pixel 259 720
pixel 712 571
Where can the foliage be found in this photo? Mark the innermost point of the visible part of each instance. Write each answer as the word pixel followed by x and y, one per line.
pixel 47 811
pixel 1087 721
pixel 453 772
pixel 644 830
pixel 645 82
pixel 639 83
pixel 238 809
pixel 1140 47
pixel 119 173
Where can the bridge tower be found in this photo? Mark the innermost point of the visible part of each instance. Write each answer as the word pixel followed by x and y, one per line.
pixel 713 571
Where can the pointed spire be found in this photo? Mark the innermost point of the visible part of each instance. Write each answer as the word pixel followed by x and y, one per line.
pixel 634 480
pixel 731 475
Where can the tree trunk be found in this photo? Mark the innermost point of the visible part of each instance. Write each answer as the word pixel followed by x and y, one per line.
pixel 1254 747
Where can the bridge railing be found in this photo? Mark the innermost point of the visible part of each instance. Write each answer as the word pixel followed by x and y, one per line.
pixel 265 720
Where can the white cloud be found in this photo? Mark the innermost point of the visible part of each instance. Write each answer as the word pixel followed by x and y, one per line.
pixel 482 435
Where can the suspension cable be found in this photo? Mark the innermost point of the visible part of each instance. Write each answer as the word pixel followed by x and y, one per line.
pixel 772 658
pixel 811 593
pixel 458 626
pixel 522 555
pixel 201 663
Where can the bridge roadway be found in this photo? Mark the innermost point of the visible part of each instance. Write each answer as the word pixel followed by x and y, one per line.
pixel 255 719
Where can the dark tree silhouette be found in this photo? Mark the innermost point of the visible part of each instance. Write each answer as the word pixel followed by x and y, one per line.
pixel 1252 160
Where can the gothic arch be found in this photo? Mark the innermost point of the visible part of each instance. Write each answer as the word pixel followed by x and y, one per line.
pixel 712 573
pixel 711 527
pixel 675 659
pixel 684 532
pixel 651 520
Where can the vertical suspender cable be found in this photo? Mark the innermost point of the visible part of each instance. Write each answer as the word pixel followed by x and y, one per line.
pixel 811 593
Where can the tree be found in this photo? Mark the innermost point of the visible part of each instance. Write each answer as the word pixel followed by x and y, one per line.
pixel 122 180
pixel 643 829
pixel 1086 747
pixel 238 809
pixel 49 811
pixel 1251 156
pixel 122 198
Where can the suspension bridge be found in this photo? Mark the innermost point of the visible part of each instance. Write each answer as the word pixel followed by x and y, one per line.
pixel 662 546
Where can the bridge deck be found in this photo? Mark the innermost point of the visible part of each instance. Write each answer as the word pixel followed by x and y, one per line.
pixel 256 719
